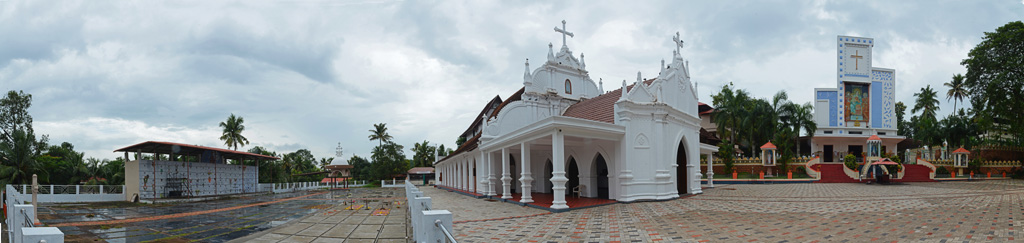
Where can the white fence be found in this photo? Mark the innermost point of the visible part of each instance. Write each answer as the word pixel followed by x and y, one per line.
pixel 428 225
pixel 70 193
pixel 20 220
pixel 301 186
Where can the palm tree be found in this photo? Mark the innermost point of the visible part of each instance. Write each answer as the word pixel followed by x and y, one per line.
pixel 801 117
pixel 380 133
pixel 926 102
pixel 957 90
pixel 17 159
pixel 324 162
pixel 232 135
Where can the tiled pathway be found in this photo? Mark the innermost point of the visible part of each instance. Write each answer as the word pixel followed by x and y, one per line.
pixel 912 212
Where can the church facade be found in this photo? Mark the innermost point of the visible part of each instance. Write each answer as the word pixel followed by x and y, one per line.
pixel 562 134
pixel 861 105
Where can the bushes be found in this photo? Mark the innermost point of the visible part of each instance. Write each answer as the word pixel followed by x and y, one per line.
pixel 941 170
pixel 850 161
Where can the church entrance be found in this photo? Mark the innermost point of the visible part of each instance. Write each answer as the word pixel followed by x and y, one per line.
pixel 829 152
pixel 512 172
pixel 573 173
pixel 601 170
pixel 857 150
pixel 681 173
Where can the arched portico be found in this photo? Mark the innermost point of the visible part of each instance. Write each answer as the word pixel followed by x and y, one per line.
pixel 681 169
pixel 600 180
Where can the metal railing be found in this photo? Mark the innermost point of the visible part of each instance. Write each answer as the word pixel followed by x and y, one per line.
pixel 445 230
pixel 28 219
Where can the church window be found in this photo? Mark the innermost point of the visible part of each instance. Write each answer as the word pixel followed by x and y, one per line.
pixel 568 86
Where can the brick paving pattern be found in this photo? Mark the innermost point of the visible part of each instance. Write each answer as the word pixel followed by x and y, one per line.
pixel 912 212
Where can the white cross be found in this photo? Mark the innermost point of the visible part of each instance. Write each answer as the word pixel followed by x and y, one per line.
pixel 564 33
pixel 338 151
pixel 679 42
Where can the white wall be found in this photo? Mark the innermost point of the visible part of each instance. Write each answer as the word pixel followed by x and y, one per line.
pixel 204 179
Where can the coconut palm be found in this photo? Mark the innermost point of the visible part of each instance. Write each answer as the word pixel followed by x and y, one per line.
pixel 17 159
pixel 957 90
pixel 232 134
pixel 926 102
pixel 380 133
pixel 801 117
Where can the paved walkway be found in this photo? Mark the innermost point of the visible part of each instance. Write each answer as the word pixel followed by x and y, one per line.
pixel 912 212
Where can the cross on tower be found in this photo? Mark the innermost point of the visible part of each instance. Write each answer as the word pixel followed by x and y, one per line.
pixel 338 151
pixel 679 42
pixel 564 32
pixel 856 60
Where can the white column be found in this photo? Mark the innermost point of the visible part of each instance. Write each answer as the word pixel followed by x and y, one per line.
pixel 525 178
pixel 558 170
pixel 491 184
pixel 480 166
pixel 711 171
pixel 506 178
pixel 466 173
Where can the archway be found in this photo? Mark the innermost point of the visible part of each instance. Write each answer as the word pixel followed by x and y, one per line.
pixel 681 173
pixel 573 173
pixel 601 172
pixel 548 186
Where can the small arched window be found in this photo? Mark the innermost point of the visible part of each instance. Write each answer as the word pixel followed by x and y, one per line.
pixel 568 86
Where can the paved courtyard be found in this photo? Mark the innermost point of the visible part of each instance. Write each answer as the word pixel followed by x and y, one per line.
pixel 989 210
pixel 352 215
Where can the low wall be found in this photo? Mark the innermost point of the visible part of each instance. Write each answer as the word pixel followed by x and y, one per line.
pixel 72 193
pixel 750 168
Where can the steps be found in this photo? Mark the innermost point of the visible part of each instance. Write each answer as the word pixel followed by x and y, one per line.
pixel 833 173
pixel 916 173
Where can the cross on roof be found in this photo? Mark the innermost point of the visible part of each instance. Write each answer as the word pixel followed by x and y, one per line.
pixel 564 32
pixel 679 42
pixel 338 152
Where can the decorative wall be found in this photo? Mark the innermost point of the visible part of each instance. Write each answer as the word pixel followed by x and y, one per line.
pixel 158 179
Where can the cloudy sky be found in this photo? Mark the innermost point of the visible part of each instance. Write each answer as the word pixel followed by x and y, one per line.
pixel 310 74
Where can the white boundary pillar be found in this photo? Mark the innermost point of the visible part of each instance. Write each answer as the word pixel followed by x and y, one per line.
pixel 506 178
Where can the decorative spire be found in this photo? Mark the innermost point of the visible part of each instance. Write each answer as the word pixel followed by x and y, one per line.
pixel 638 79
pixel 564 32
pixel 678 42
pixel 663 67
pixel 623 96
pixel 551 52
pixel 338 151
pixel 583 64
pixel 600 85
pixel 526 74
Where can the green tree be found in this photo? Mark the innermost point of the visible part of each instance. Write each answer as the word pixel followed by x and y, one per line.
pixel 995 74
pixel 14 115
pixel 957 90
pixel 459 141
pixel 901 125
pixel 232 133
pixel 324 162
pixel 361 168
pixel 113 170
pixel 380 133
pixel 801 117
pixel 423 154
pixel 926 102
pixel 19 161
pixel 389 160
pixel 441 150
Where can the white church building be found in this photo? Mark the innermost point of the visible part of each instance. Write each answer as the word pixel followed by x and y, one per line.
pixel 561 135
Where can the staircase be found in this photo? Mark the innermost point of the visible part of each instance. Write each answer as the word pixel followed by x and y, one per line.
pixel 833 173
pixel 916 173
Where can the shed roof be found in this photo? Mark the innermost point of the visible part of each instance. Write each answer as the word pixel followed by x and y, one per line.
pixel 180 148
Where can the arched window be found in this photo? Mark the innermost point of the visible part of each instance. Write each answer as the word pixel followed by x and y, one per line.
pixel 568 86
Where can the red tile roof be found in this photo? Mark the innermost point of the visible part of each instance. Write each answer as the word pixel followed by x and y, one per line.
pixel 874 137
pixel 768 145
pixel 421 170
pixel 518 95
pixel 961 150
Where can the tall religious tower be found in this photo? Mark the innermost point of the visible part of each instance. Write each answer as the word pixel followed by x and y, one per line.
pixel 861 105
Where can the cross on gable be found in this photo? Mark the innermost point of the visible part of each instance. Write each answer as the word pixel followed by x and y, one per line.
pixel 564 32
pixel 679 42
pixel 856 60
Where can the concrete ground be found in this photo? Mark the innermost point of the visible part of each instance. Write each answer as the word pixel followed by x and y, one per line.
pixel 247 218
pixel 989 210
